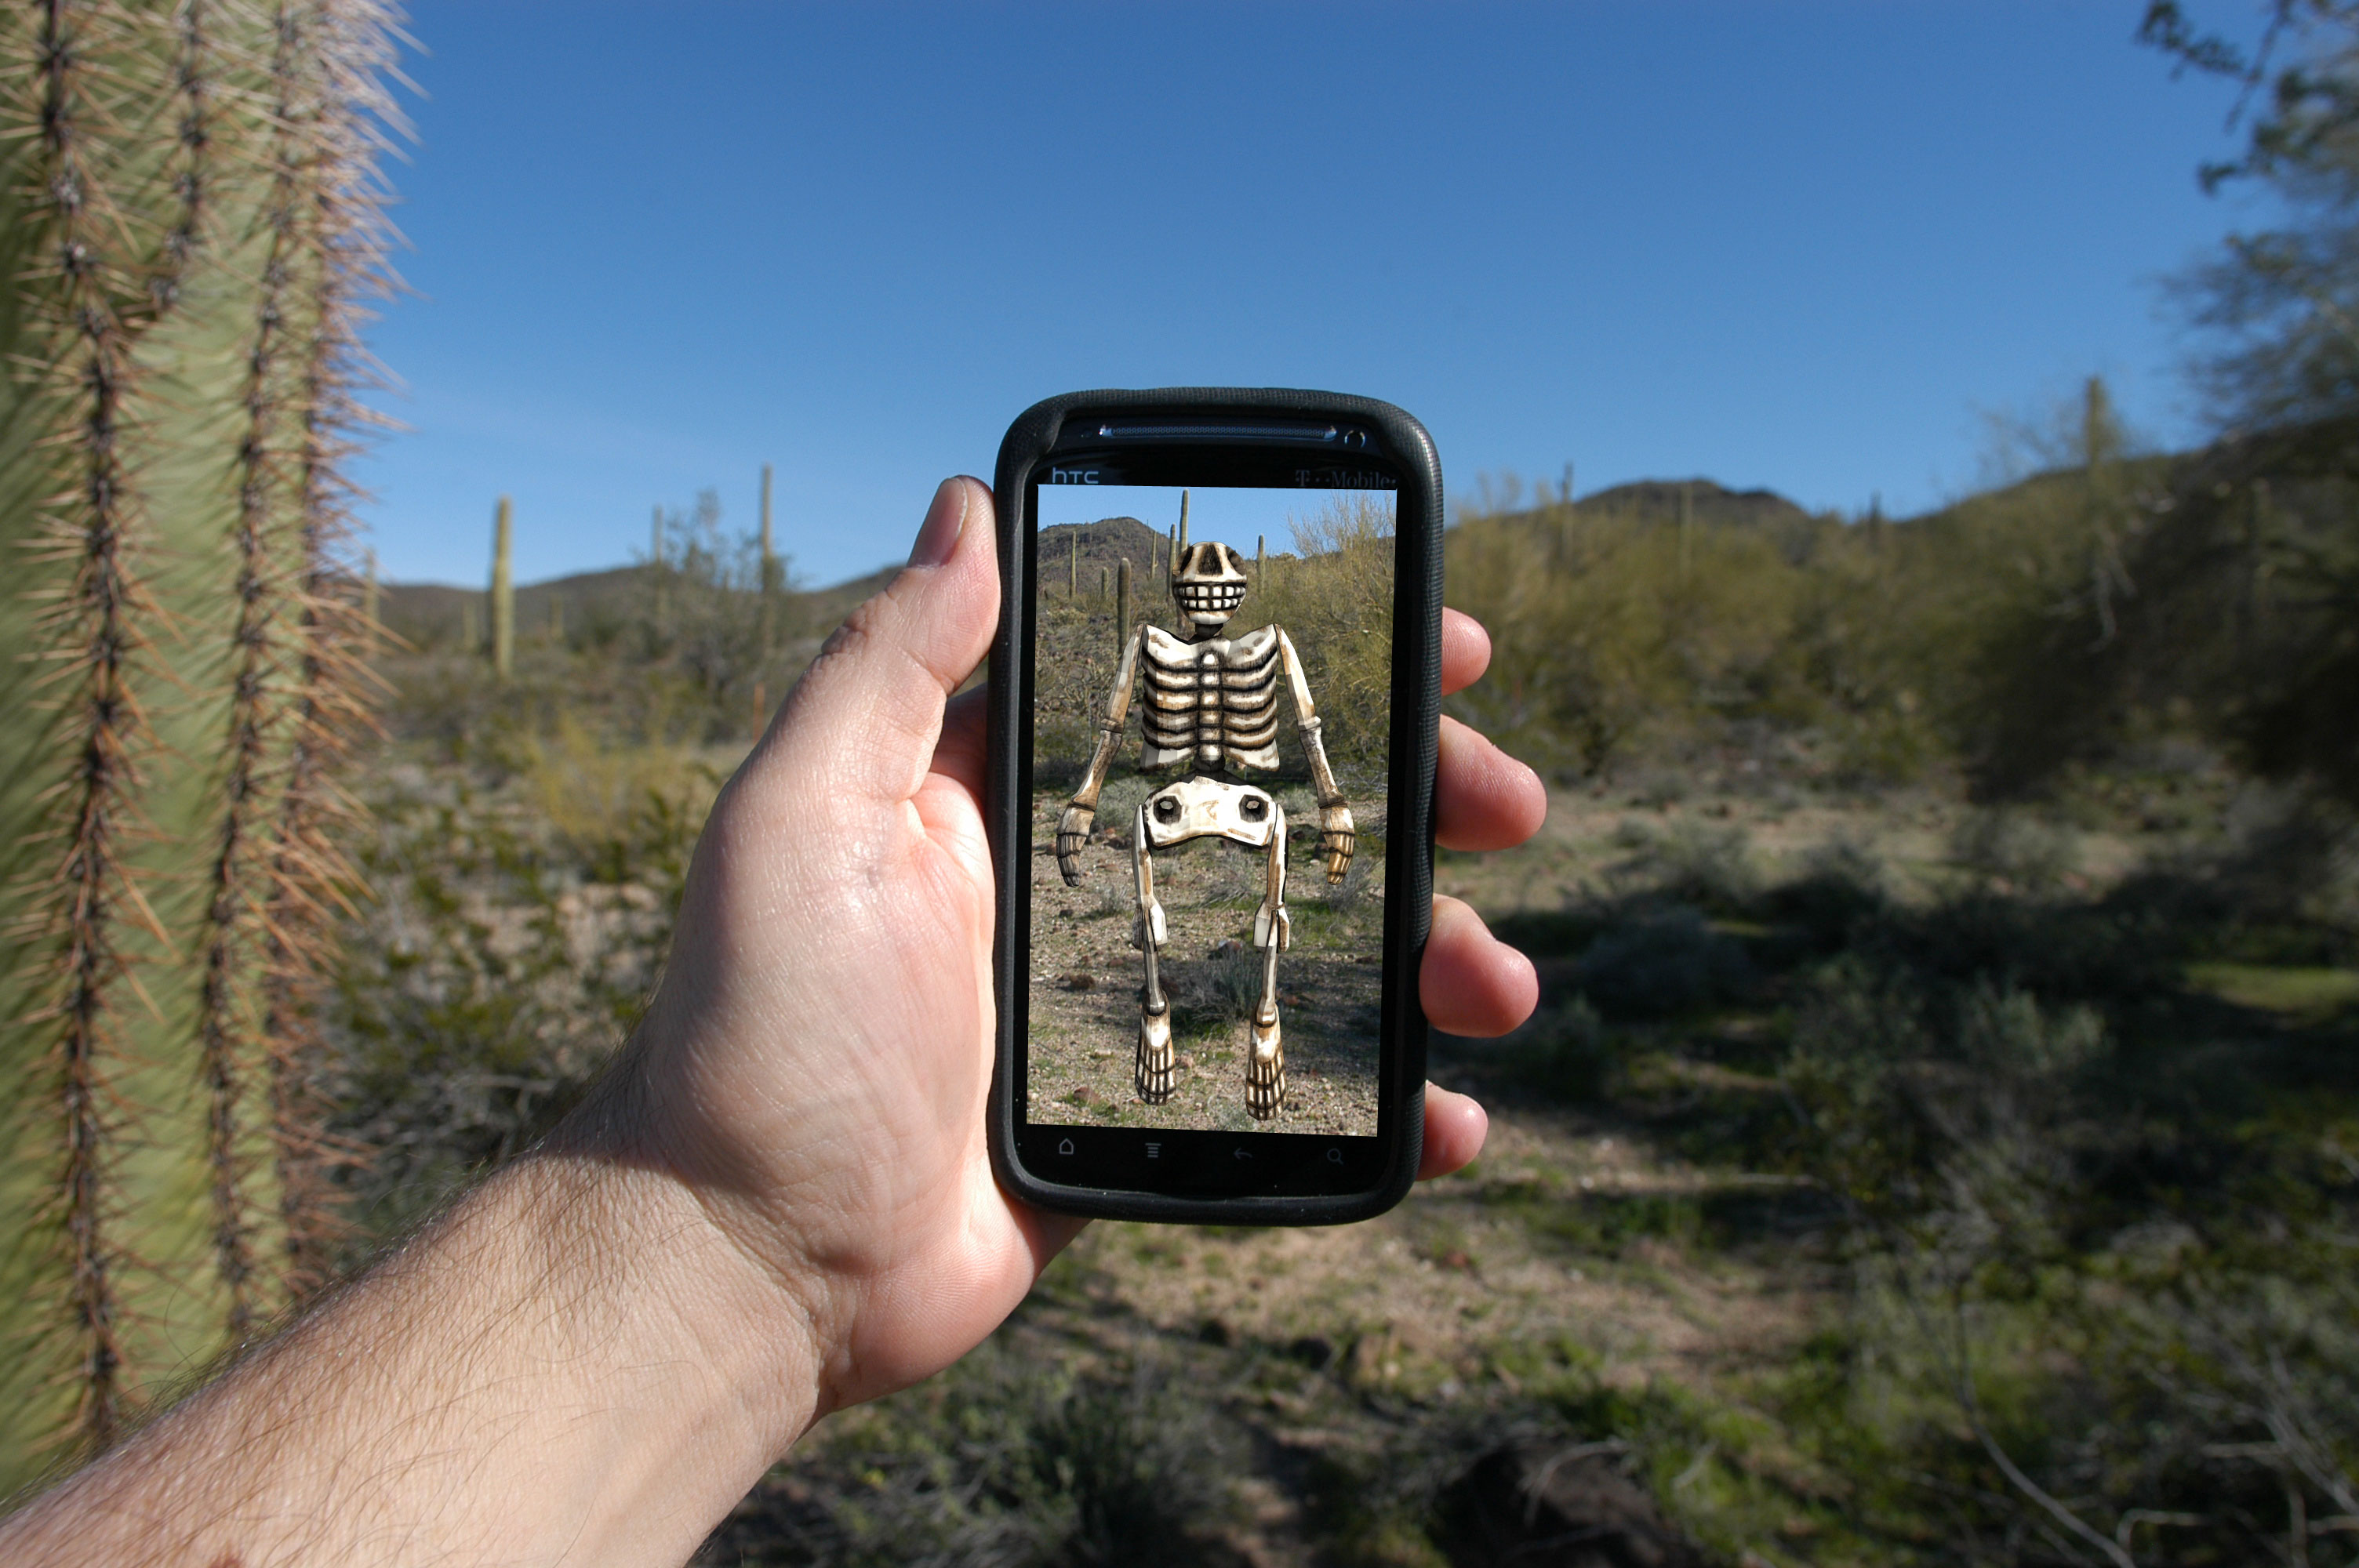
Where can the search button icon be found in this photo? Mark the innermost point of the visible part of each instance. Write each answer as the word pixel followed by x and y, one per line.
pixel 1335 1155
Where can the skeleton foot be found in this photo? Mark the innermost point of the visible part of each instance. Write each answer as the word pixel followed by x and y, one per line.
pixel 1157 1063
pixel 1265 1066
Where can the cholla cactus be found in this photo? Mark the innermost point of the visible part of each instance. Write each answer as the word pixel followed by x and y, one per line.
pixel 190 231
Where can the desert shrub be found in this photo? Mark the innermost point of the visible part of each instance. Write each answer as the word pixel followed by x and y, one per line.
pixel 1237 983
pixel 595 794
pixel 1709 864
pixel 1002 1460
pixel 499 964
pixel 1841 887
pixel 1680 1483
pixel 1564 1053
pixel 1334 597
pixel 2017 849
pixel 1660 962
pixel 1618 635
pixel 2038 1345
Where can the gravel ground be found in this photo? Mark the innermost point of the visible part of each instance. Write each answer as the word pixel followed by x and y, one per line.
pixel 1087 978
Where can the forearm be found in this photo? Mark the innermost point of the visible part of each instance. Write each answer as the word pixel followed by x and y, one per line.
pixel 1322 777
pixel 572 1367
pixel 1110 728
pixel 1306 716
pixel 1109 742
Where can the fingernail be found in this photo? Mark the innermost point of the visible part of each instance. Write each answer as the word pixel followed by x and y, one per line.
pixel 939 535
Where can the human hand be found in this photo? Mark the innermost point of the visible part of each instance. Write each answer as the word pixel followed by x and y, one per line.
pixel 816 1062
pixel 1073 832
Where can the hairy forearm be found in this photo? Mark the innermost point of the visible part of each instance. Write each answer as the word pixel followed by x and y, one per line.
pixel 571 1367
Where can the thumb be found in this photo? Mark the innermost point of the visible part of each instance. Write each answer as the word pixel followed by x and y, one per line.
pixel 868 712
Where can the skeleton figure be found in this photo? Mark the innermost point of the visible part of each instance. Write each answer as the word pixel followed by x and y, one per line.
pixel 1210 709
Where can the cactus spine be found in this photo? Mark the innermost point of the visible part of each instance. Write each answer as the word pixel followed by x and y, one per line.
pixel 189 224
pixel 503 593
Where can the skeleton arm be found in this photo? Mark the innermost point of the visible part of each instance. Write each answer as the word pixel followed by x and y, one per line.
pixel 1336 836
pixel 1073 826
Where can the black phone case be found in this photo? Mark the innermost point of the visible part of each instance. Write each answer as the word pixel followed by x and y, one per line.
pixel 1416 707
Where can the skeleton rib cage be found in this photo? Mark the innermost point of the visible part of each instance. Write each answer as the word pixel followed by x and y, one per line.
pixel 1215 704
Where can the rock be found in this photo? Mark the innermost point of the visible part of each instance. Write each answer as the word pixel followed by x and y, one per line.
pixel 1561 1505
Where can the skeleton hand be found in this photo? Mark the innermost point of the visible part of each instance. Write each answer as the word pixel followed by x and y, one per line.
pixel 1073 832
pixel 1336 839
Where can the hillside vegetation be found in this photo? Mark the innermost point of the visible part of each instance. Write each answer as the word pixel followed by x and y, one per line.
pixel 1938 1141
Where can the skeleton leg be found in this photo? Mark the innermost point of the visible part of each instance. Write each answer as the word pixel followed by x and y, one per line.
pixel 1156 1065
pixel 1264 1057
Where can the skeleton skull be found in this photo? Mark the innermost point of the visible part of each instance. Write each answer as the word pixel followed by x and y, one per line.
pixel 1208 581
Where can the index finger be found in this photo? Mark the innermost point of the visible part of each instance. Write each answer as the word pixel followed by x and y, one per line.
pixel 1465 651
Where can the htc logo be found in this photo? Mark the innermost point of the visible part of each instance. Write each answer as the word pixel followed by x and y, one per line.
pixel 1072 476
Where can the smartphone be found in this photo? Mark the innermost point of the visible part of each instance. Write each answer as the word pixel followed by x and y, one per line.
pixel 1213 698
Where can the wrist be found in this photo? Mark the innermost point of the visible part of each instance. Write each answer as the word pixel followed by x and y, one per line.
pixel 613 1355
pixel 623 1210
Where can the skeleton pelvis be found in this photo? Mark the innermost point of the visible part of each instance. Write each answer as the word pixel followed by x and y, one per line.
pixel 1209 808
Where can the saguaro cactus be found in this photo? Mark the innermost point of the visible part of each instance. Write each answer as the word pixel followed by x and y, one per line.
pixel 502 592
pixel 659 568
pixel 774 570
pixel 774 585
pixel 189 232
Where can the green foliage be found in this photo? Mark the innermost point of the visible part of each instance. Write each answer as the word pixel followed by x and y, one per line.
pixel 1004 1461
pixel 1658 962
pixel 2278 302
pixel 2109 604
pixel 1334 597
pixel 2082 1158
pixel 509 950
pixel 1615 633
pixel 686 648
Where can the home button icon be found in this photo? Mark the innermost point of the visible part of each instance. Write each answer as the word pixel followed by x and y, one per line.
pixel 1066 1147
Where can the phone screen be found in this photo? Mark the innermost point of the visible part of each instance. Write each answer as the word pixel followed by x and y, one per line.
pixel 1211 727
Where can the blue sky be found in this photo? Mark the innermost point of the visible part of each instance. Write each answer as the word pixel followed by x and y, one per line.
pixel 1800 243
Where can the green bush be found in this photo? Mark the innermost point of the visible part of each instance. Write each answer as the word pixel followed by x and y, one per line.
pixel 1004 1461
pixel 1659 963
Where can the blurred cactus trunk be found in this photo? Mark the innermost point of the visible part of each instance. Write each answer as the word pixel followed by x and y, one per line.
pixel 504 590
pixel 190 235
